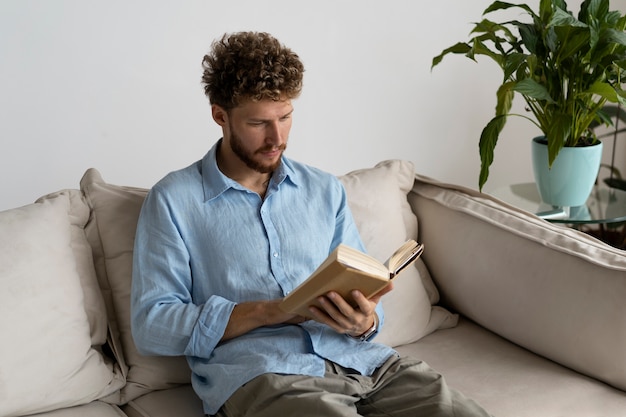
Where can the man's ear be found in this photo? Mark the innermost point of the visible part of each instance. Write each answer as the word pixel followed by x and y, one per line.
pixel 219 115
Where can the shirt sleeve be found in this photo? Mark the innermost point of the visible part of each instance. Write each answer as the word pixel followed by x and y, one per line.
pixel 164 319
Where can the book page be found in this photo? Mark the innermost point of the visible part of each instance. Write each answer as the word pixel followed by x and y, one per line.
pixel 358 260
pixel 404 256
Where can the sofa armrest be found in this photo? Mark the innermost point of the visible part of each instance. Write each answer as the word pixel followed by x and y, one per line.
pixel 553 290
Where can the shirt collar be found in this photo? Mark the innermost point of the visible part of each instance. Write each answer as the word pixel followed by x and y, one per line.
pixel 214 182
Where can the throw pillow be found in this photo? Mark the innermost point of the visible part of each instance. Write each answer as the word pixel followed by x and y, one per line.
pixel 378 199
pixel 78 215
pixel 46 356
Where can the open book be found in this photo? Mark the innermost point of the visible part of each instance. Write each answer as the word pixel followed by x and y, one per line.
pixel 348 269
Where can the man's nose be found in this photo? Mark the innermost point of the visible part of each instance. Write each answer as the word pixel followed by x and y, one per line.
pixel 273 134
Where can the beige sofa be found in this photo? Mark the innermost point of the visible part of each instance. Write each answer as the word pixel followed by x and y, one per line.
pixel 524 316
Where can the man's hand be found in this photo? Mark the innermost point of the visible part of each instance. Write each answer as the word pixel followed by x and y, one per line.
pixel 342 317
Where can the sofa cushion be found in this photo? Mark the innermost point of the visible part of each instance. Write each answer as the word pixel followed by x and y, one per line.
pixel 378 200
pixel 547 291
pixel 510 381
pixel 93 409
pixel 94 302
pixel 111 233
pixel 180 402
pixel 47 360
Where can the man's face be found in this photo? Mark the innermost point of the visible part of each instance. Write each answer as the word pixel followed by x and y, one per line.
pixel 258 131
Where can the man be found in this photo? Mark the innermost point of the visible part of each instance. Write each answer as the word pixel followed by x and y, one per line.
pixel 221 242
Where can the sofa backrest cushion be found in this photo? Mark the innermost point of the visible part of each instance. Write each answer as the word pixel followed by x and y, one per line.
pixel 551 289
pixel 111 233
pixel 50 310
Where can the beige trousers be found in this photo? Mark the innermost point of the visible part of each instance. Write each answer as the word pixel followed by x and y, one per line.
pixel 401 387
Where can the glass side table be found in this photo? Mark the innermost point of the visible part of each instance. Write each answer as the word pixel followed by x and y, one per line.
pixel 603 215
pixel 604 206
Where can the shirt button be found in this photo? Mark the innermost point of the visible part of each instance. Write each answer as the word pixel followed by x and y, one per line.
pixel 275 254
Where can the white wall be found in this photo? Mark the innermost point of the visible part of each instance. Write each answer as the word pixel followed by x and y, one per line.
pixel 116 85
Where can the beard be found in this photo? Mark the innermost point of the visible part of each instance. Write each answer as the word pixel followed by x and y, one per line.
pixel 248 157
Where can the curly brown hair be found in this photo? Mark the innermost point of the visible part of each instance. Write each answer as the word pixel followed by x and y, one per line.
pixel 250 66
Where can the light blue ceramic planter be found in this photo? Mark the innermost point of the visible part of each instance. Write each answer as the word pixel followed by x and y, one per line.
pixel 570 180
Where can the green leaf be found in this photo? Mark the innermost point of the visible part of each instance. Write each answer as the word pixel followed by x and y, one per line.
pixel 504 97
pixel 559 3
pixel 530 37
pixel 545 10
pixel 533 89
pixel 614 36
pixel 594 10
pixel 501 5
pixel 487 144
pixel 563 18
pixel 558 134
pixel 458 48
pixel 551 42
pixel 606 91
pixel 479 48
pixel 487 26
pixel 491 132
pixel 512 63
pixel 572 41
pixel 492 29
pixel 602 118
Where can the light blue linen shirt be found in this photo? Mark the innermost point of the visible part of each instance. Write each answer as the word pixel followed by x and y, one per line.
pixel 204 243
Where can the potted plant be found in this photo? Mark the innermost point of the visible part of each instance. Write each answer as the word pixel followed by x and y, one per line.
pixel 565 67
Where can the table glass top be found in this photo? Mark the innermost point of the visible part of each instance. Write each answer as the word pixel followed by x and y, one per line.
pixel 604 205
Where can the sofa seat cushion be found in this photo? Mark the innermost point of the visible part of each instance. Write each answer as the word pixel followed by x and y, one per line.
pixel 93 409
pixel 49 356
pixel 180 402
pixel 504 378
pixel 509 380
